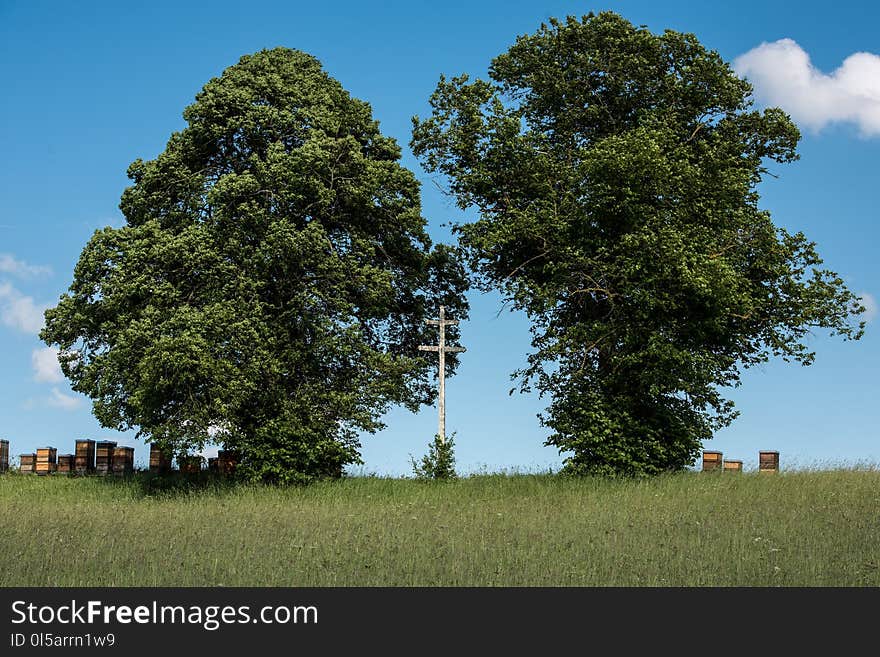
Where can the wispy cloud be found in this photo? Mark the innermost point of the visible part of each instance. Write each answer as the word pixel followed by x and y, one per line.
pixel 871 306
pixel 45 364
pixel 64 401
pixel 9 264
pixel 783 75
pixel 19 311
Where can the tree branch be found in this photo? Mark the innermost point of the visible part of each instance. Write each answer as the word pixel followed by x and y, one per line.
pixel 540 255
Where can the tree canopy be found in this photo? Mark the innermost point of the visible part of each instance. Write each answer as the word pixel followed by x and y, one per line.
pixel 269 287
pixel 615 172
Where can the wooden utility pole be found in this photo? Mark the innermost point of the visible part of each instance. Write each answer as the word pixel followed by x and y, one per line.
pixel 442 349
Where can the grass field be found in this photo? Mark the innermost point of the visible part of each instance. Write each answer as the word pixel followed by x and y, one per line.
pixel 808 528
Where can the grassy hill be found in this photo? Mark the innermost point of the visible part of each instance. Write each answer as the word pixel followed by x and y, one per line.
pixel 807 528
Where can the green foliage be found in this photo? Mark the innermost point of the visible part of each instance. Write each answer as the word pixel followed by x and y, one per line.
pixel 270 284
pixel 615 173
pixel 439 462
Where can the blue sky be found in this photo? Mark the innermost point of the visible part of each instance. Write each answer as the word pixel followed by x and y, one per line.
pixel 88 87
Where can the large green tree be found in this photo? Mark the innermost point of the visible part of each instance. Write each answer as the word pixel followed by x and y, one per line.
pixel 615 172
pixel 270 284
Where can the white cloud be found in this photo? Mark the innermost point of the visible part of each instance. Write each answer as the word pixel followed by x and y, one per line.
pixel 10 265
pixel 64 401
pixel 19 311
pixel 45 364
pixel 782 75
pixel 56 399
pixel 871 306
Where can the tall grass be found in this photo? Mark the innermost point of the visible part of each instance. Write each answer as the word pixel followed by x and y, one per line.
pixel 807 528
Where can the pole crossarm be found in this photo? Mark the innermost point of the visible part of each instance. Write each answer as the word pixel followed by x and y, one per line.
pixel 442 350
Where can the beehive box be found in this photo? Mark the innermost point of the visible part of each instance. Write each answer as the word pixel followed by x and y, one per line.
pixel 27 463
pixel 190 464
pixel 159 461
pixel 768 461
pixel 4 455
pixel 104 456
pixel 711 461
pixel 212 464
pixel 84 458
pixel 123 460
pixel 65 463
pixel 46 460
pixel 227 461
pixel 733 466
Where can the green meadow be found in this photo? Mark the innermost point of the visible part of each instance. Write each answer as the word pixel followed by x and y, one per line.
pixel 794 528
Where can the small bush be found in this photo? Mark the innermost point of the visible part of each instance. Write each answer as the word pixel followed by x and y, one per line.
pixel 439 462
